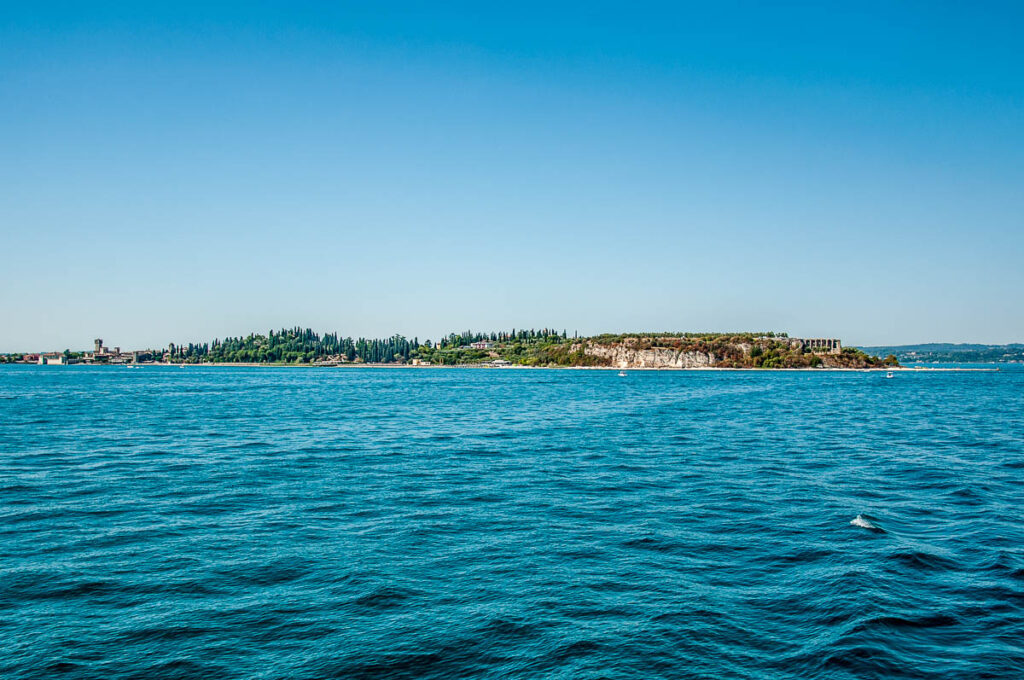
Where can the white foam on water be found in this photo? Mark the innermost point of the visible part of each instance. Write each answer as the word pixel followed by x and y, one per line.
pixel 859 521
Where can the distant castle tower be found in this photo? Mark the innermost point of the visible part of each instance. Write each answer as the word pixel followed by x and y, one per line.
pixel 99 345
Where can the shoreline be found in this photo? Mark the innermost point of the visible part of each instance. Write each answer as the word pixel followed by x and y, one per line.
pixel 901 369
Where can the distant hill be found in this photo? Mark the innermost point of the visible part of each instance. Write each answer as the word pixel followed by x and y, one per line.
pixel 944 352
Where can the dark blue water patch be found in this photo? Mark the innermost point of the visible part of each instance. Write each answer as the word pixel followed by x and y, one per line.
pixel 262 574
pixel 900 622
pixel 383 598
pixel 167 633
pixel 387 523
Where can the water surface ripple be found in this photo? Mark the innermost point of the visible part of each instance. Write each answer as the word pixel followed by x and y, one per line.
pixel 389 523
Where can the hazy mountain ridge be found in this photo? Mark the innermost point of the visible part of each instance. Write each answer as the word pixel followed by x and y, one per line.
pixel 945 352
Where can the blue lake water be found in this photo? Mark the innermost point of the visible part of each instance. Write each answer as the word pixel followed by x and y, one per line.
pixel 389 523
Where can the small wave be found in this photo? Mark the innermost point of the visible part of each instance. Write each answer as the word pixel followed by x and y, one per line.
pixel 919 559
pixel 505 629
pixel 251 445
pixel 270 574
pixel 651 543
pixel 865 523
pixel 578 648
pixel 927 621
pixel 384 598
pixel 62 667
pixel 165 633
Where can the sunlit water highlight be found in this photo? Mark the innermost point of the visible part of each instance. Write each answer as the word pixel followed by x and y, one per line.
pixel 358 523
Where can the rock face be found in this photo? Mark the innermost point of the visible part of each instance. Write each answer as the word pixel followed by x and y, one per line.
pixel 624 356
pixel 719 351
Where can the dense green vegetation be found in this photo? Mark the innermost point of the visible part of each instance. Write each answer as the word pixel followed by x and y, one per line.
pixel 295 345
pixel 304 346
pixel 519 346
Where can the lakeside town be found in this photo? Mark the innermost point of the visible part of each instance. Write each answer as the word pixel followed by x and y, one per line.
pixel 101 355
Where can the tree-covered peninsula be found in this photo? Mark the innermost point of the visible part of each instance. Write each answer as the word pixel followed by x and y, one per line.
pixel 531 347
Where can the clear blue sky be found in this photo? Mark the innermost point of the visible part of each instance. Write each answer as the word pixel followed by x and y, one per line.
pixel 201 169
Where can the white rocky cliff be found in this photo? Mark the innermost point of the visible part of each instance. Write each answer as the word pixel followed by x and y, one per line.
pixel 627 356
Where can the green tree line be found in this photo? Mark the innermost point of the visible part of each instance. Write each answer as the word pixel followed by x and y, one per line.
pixel 295 345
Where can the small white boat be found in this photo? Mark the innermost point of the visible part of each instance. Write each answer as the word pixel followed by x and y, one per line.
pixel 888 374
pixel 622 374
